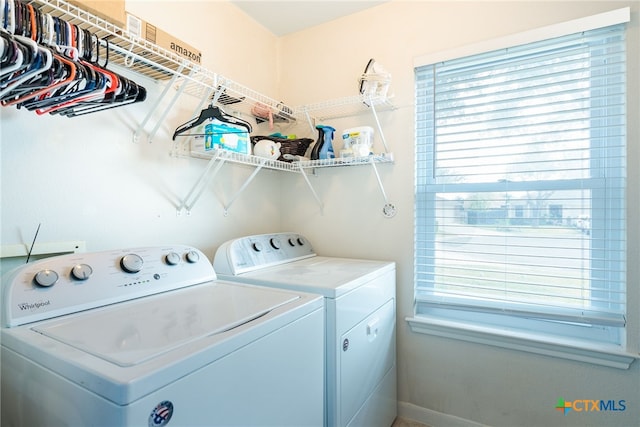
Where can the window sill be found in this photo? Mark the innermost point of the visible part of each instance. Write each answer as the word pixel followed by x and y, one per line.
pixel 601 355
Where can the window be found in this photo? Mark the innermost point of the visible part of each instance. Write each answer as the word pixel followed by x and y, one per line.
pixel 520 189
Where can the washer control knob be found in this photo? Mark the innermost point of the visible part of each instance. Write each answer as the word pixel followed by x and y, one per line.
pixel 131 263
pixel 257 246
pixel 275 243
pixel 46 278
pixel 172 258
pixel 81 271
pixel 192 257
pixel 301 241
pixel 292 242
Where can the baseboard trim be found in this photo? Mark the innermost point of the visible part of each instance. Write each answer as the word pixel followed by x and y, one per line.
pixel 433 418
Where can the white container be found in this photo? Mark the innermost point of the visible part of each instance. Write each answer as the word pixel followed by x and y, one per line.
pixel 358 140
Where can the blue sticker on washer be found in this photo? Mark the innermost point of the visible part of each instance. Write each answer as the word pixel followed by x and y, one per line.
pixel 161 414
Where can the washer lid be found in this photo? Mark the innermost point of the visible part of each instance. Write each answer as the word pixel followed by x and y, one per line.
pixel 131 333
pixel 328 276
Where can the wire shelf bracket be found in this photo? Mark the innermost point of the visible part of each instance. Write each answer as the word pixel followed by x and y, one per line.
pixel 243 187
pixel 313 191
pixel 198 187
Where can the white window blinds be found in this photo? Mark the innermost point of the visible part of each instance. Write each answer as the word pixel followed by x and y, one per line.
pixel 520 187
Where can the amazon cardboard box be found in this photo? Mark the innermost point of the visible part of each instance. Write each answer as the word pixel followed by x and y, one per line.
pixel 149 32
pixel 112 11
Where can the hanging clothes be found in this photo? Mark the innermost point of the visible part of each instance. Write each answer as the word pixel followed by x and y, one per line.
pixel 50 66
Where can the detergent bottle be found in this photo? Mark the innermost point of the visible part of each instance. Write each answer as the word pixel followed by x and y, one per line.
pixel 323 148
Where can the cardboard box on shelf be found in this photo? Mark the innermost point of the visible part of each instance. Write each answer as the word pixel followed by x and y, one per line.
pixel 149 32
pixel 112 11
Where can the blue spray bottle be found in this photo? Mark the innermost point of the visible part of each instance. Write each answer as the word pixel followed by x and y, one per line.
pixel 323 148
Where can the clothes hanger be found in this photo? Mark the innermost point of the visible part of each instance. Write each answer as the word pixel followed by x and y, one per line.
pixel 15 59
pixel 8 21
pixel 44 94
pixel 90 83
pixel 19 61
pixel 121 91
pixel 112 87
pixel 85 82
pixel 210 113
pixel 56 73
pixel 3 48
pixel 3 4
pixel 67 77
pixel 8 49
pixel 132 94
pixel 40 61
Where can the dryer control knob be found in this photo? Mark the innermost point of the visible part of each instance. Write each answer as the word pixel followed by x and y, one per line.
pixel 131 263
pixel 301 241
pixel 46 278
pixel 172 258
pixel 257 246
pixel 275 243
pixel 192 257
pixel 81 271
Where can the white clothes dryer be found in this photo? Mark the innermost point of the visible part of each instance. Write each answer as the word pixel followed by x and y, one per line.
pixel 360 318
pixel 149 337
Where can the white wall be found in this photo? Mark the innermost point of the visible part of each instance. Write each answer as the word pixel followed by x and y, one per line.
pixel 438 376
pixel 84 179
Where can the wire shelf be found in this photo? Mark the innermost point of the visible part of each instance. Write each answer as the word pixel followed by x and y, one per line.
pixel 347 161
pixel 345 107
pixel 248 99
pixel 245 159
pixel 251 160
pixel 148 59
pixel 153 61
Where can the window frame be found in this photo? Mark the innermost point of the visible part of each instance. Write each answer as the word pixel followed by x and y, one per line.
pixel 460 324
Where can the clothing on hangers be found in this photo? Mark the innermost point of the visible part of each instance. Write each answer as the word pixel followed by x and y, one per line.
pixel 51 66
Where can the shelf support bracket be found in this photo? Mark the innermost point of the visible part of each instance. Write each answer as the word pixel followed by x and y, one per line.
pixel 244 186
pixel 389 209
pixel 141 126
pixel 309 120
pixel 192 197
pixel 375 116
pixel 313 191
pixel 177 95
pixel 375 170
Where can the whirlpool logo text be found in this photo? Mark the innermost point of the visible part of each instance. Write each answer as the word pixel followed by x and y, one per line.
pixel 589 405
pixel 33 305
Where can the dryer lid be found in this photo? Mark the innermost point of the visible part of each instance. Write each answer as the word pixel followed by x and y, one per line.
pixel 327 276
pixel 134 332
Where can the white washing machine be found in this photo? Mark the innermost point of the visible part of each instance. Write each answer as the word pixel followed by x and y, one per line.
pixel 360 318
pixel 149 337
